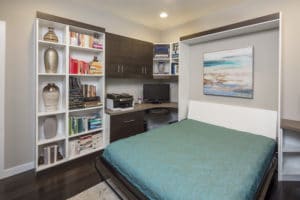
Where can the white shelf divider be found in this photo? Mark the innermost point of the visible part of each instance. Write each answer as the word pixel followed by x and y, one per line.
pixel 85 132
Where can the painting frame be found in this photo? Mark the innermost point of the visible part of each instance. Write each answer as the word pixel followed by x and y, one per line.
pixel 250 90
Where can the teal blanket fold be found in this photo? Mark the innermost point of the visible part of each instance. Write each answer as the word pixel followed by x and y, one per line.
pixel 191 160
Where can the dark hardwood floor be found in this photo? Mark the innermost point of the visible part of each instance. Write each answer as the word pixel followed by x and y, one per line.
pixel 61 182
pixel 67 180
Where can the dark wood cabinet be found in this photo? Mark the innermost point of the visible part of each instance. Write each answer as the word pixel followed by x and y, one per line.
pixel 125 125
pixel 127 57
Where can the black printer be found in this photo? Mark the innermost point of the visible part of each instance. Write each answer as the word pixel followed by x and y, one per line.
pixel 119 101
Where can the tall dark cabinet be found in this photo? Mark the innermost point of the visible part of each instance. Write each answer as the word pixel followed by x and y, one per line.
pixel 128 58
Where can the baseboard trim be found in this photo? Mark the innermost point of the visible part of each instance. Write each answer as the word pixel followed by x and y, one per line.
pixel 17 170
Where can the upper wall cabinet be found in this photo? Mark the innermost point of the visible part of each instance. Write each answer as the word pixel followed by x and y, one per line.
pixel 128 58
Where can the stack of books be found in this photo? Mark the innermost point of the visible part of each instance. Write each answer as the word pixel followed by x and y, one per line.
pixel 85 144
pixel 80 124
pixel 76 98
pixel 78 66
pixel 91 102
pixel 95 67
pixel 175 53
pixel 84 40
pixel 90 96
pixel 94 123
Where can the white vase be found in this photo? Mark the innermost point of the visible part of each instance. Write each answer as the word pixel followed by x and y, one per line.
pixel 50 127
pixel 161 67
pixel 51 97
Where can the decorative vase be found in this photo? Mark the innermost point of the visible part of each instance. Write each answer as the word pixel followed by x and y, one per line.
pixel 51 97
pixel 50 127
pixel 50 35
pixel 51 60
pixel 161 67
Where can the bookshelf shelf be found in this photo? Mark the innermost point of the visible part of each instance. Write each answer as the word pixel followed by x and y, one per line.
pixel 86 132
pixel 43 114
pixel 46 43
pixel 86 75
pixel 51 74
pixel 73 47
pixel 92 84
pixel 43 167
pixel 161 59
pixel 85 109
pixel 47 141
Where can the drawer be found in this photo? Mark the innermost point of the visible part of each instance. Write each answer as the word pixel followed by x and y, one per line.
pixel 125 125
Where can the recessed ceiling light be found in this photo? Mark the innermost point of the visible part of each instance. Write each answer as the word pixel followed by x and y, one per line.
pixel 163 15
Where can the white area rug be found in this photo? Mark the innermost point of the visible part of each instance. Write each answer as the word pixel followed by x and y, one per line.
pixel 98 192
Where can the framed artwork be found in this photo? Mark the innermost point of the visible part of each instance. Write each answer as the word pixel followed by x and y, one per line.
pixel 229 73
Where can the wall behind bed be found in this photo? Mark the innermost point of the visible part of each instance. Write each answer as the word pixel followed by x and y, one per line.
pixel 266 47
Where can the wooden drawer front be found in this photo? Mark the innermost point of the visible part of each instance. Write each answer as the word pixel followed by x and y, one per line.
pixel 125 125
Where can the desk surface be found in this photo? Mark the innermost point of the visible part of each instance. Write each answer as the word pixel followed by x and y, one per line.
pixel 143 106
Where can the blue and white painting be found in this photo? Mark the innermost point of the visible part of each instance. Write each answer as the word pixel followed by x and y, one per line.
pixel 229 73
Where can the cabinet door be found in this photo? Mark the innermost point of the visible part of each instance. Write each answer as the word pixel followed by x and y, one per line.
pixel 125 125
pixel 112 56
pixel 148 60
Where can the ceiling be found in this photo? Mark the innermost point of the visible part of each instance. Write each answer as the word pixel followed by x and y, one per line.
pixel 147 12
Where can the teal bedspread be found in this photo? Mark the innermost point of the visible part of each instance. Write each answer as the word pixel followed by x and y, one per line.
pixel 193 160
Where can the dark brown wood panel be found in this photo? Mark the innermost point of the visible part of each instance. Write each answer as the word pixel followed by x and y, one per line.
pixel 125 125
pixel 233 26
pixel 128 57
pixel 71 22
pixel 291 125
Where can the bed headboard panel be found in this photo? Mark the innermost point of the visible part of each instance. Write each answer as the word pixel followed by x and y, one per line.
pixel 252 120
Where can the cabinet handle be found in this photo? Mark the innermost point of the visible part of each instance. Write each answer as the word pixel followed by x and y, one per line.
pixel 145 70
pixel 128 121
pixel 118 68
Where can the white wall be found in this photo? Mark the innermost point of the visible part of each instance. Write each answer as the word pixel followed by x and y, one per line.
pixel 291 41
pixel 2 84
pixel 265 53
pixel 19 89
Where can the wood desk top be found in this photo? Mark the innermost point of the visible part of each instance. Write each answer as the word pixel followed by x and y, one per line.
pixel 290 125
pixel 142 107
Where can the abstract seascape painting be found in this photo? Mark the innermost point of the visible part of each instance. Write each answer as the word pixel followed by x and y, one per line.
pixel 229 73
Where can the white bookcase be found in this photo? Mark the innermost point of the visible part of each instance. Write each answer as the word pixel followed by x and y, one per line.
pixel 170 64
pixel 61 79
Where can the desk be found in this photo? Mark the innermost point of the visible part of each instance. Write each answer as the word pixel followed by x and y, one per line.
pixel 126 123
pixel 143 107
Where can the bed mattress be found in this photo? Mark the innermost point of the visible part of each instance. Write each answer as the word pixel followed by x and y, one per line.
pixel 193 160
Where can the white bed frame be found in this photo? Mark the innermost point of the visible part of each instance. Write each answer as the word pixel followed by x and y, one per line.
pixel 252 120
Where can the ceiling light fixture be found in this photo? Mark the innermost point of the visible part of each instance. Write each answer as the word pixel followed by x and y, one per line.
pixel 163 15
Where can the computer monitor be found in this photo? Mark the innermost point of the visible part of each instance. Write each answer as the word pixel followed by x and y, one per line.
pixel 156 93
